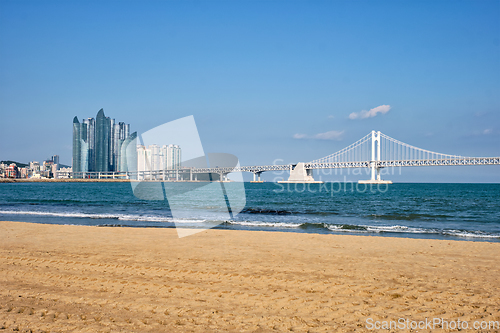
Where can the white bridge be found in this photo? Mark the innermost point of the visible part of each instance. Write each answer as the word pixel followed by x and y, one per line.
pixel 374 151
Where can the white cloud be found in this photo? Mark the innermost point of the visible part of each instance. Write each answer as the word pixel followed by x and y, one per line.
pixel 382 109
pixel 486 131
pixel 299 136
pixel 331 135
pixel 331 117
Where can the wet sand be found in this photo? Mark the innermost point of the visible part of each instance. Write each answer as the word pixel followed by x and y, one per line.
pixel 57 278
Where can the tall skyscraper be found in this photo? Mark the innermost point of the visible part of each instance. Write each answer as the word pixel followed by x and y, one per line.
pixel 91 141
pixel 128 150
pixel 79 145
pixel 97 143
pixel 102 141
pixel 119 132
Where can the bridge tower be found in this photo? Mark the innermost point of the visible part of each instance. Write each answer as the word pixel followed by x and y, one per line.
pixel 375 161
pixel 300 174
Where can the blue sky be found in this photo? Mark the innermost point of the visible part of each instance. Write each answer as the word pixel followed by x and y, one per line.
pixel 257 75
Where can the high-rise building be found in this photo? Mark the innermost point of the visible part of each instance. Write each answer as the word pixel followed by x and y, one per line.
pixel 119 132
pixel 91 141
pixel 102 141
pixel 128 154
pixel 113 144
pixel 143 158
pixel 171 157
pixel 97 143
pixel 79 145
pixel 154 157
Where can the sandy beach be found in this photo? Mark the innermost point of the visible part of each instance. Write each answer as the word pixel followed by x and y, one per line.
pixel 58 278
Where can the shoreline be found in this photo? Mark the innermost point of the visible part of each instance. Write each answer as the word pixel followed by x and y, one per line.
pixel 93 180
pixel 61 180
pixel 110 180
pixel 314 231
pixel 66 277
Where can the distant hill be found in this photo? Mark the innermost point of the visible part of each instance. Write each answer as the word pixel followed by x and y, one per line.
pixel 19 164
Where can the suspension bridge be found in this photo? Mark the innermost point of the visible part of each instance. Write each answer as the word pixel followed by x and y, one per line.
pixel 374 151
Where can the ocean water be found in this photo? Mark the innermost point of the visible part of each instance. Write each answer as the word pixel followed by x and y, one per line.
pixel 468 212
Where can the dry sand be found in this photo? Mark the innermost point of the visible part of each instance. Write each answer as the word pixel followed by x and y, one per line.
pixel 92 279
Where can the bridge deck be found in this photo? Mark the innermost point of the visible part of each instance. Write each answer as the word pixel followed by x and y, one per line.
pixel 312 165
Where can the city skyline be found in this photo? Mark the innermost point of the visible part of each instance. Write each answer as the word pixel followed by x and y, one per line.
pixel 97 144
pixel 34 169
pixel 101 145
pixel 267 81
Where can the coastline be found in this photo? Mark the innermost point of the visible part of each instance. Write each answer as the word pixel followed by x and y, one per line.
pixel 62 277
pixel 61 180
pixel 92 180
pixel 448 212
pixel 111 180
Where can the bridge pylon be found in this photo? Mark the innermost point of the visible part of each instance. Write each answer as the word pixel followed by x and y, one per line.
pixel 256 177
pixel 299 174
pixel 374 163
